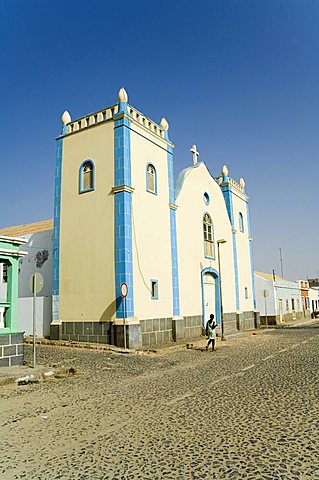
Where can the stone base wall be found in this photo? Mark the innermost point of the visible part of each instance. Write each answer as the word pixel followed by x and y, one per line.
pixel 230 324
pixel 193 326
pixel 275 319
pixel 11 349
pixel 246 321
pixel 91 332
pixel 156 331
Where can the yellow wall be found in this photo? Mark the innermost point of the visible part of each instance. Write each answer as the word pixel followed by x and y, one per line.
pixel 191 258
pixel 87 285
pixel 151 227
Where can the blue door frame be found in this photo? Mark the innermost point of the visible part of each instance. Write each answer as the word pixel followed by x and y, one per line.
pixel 217 293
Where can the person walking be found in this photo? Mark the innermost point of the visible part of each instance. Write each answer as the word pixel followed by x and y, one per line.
pixel 211 332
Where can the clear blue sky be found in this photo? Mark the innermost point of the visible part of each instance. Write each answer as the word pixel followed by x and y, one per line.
pixel 237 77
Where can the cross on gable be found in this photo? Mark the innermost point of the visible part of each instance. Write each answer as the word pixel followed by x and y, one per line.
pixel 195 154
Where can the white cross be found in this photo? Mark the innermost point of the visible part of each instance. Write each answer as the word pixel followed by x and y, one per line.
pixel 195 154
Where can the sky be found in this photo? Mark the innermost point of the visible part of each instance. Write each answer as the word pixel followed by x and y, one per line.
pixel 238 78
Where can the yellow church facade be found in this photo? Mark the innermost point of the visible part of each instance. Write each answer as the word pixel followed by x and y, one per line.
pixel 181 251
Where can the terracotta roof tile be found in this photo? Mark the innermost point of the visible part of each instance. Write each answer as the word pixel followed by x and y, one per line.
pixel 20 230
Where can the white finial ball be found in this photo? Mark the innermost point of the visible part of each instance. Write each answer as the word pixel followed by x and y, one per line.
pixel 123 97
pixel 225 171
pixel 164 124
pixel 66 118
pixel 242 183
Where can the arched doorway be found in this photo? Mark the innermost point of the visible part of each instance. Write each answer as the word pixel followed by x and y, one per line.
pixel 210 295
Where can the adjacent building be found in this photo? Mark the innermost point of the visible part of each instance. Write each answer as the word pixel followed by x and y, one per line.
pixel 280 300
pixel 37 239
pixel 11 334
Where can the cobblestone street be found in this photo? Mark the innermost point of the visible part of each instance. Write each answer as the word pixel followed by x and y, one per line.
pixel 247 411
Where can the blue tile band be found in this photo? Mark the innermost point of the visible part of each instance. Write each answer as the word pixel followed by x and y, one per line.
pixel 122 152
pixel 251 257
pixel 123 218
pixel 175 279
pixel 56 229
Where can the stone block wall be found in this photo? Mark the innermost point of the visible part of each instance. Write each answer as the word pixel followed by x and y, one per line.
pixel 91 332
pixel 275 319
pixel 248 321
pixel 230 324
pixel 193 326
pixel 11 349
pixel 156 331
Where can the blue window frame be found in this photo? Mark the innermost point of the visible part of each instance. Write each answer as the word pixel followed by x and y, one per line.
pixel 241 222
pixel 154 289
pixel 87 177
pixel 206 198
pixel 208 233
pixel 151 179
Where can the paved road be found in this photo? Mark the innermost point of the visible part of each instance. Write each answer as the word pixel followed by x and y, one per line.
pixel 247 411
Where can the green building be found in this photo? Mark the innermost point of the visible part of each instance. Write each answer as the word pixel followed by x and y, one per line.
pixel 11 338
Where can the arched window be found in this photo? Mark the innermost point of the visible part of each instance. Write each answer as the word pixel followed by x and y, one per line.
pixel 208 236
pixel 241 222
pixel 151 181
pixel 86 176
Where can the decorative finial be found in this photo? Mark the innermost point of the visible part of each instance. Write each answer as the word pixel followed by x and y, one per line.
pixel 122 96
pixel 242 183
pixel 66 118
pixel 195 154
pixel 224 171
pixel 164 124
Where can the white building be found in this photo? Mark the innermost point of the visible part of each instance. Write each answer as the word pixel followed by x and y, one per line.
pixel 38 259
pixel 278 299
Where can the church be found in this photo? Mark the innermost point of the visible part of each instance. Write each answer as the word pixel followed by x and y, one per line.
pixel 139 259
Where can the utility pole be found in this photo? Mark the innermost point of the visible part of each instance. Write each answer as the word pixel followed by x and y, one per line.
pixel 281 266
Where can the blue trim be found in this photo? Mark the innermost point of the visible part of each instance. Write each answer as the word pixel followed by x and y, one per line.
pixel 155 176
pixel 241 222
pixel 122 108
pixel 217 294
pixel 171 188
pixel 56 230
pixel 81 190
pixel 251 256
pixel 213 236
pixel 175 280
pixel 172 217
pixel 226 190
pixel 155 297
pixel 122 152
pixel 123 218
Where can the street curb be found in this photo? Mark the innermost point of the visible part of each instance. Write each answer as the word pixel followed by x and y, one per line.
pixel 38 377
pixel 90 346
pixel 112 348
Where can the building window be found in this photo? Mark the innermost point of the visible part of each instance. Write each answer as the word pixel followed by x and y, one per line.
pixel 293 304
pixel 86 176
pixel 287 305
pixel 308 302
pixel 151 180
pixel 246 293
pixel 208 236
pixel 241 222
pixel 154 289
pixel 206 198
pixel 3 273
